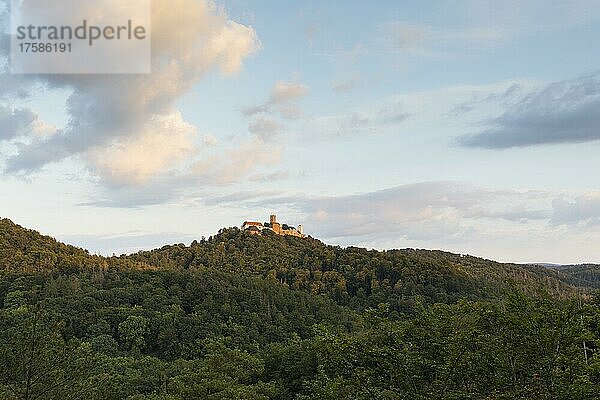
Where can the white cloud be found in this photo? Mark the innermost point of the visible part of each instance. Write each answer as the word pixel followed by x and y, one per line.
pixel 117 123
pixel 270 177
pixel 164 143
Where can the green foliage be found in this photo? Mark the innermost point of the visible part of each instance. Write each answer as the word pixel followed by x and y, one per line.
pixel 133 331
pixel 356 277
pixel 105 344
pixel 517 349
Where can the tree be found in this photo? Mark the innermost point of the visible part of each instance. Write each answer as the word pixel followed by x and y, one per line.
pixel 133 331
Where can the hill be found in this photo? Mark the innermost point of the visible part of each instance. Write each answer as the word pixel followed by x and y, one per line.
pixel 358 277
pixel 351 276
pixel 267 317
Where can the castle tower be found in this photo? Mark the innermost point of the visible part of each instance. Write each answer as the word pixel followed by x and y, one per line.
pixel 276 226
pixel 301 230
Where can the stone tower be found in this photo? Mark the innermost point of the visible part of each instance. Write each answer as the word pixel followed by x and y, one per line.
pixel 276 226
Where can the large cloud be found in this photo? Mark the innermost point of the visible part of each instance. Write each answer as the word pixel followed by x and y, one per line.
pixel 561 112
pixel 127 127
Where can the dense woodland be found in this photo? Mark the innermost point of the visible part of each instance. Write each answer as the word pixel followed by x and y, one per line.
pixel 239 316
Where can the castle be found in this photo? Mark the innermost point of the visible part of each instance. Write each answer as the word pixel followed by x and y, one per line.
pixel 274 226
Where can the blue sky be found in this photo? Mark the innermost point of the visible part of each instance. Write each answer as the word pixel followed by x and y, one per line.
pixel 470 126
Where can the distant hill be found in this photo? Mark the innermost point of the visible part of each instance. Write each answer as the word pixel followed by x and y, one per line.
pixel 583 275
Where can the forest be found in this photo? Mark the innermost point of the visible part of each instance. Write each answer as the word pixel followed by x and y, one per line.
pixel 238 316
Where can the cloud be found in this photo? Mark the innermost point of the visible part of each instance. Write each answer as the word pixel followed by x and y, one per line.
pixel 166 141
pixel 403 210
pixel 127 128
pixel 502 98
pixel 162 189
pixel 584 210
pixel 283 100
pixel 235 164
pixel 561 112
pixel 265 128
pixel 284 92
pixel 243 161
pixel 16 122
pixel 382 117
pixel 516 214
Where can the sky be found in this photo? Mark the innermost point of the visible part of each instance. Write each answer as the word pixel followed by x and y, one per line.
pixel 471 126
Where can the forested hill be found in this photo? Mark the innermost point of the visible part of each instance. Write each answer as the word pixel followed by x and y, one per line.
pixel 584 275
pixel 351 276
pixel 355 276
pixel 267 317
pixel 24 250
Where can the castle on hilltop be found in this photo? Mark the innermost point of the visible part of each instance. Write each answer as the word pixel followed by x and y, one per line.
pixel 274 226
